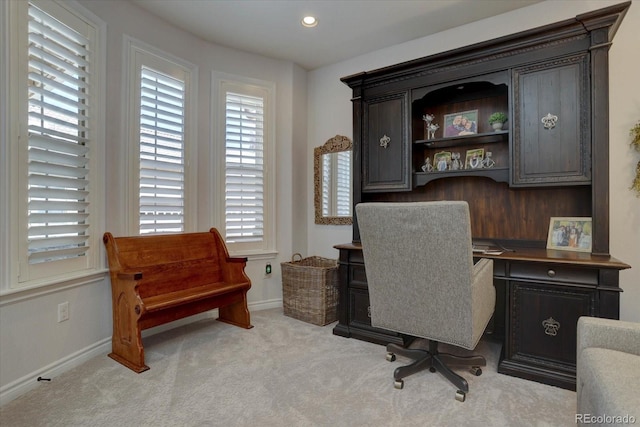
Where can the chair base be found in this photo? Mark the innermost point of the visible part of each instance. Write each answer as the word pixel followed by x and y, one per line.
pixel 434 361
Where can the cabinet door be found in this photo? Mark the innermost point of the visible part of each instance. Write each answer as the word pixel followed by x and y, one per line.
pixel 552 138
pixel 386 153
pixel 542 324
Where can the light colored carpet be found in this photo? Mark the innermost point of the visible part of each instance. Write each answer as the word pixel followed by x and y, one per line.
pixel 283 372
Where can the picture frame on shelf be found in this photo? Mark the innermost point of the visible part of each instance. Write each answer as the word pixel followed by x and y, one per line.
pixel 442 161
pixel 461 123
pixel 474 158
pixel 570 234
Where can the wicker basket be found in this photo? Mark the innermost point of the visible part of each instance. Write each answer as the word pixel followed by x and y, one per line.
pixel 310 289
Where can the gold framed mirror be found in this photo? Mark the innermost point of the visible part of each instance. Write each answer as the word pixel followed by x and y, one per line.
pixel 332 181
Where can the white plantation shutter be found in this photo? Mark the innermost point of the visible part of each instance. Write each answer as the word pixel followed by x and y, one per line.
pixel 59 91
pixel 162 165
pixel 244 168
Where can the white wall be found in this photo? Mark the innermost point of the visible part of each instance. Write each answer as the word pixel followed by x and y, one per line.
pixel 32 343
pixel 330 113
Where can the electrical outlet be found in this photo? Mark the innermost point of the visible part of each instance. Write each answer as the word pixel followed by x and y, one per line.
pixel 63 311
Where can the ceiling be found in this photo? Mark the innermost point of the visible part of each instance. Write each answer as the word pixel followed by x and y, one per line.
pixel 346 28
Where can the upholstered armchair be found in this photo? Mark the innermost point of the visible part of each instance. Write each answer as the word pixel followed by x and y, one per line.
pixel 423 283
pixel 607 372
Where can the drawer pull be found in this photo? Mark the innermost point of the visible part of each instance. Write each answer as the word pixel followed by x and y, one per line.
pixel 551 326
pixel 551 273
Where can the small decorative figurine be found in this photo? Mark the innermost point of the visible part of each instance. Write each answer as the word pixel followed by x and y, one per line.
pixel 488 162
pixel 427 167
pixel 431 127
pixel 455 161
pixel 432 130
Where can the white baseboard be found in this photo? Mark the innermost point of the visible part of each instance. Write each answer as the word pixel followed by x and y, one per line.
pixel 29 382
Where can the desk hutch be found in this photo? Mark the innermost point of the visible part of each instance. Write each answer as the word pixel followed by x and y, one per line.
pixel 557 72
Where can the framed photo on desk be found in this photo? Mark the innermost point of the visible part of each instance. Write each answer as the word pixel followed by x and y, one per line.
pixel 570 234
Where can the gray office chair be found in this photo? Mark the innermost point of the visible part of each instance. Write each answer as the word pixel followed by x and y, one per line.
pixel 423 283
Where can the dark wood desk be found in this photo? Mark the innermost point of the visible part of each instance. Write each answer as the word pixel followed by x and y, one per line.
pixel 539 296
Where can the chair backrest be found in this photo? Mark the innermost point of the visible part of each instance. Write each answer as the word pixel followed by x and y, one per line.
pixel 419 265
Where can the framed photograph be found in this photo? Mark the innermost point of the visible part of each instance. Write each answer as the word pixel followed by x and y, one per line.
pixel 462 123
pixel 570 234
pixel 442 161
pixel 474 158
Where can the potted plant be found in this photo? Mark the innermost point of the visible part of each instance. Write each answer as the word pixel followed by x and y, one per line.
pixel 496 120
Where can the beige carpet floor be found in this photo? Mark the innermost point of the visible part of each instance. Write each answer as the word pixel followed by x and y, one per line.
pixel 283 372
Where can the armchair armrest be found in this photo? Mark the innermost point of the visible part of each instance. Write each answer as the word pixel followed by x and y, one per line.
pixel 608 333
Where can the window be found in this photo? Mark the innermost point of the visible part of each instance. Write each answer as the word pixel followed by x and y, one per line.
pixel 244 168
pixel 56 93
pixel 160 135
pixel 161 153
pixel 248 190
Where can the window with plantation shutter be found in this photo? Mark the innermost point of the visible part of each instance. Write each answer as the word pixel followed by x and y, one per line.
pixel 244 184
pixel 162 182
pixel 52 99
pixel 161 129
pixel 59 141
pixel 244 168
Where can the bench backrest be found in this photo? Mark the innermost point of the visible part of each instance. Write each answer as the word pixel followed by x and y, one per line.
pixel 168 262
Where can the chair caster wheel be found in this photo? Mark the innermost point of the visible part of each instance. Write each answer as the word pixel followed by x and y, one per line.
pixel 391 357
pixel 461 396
pixel 476 371
pixel 432 369
pixel 399 384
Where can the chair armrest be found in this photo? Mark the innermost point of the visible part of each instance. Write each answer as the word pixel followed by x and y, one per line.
pixel 608 333
pixel 483 270
pixel 483 295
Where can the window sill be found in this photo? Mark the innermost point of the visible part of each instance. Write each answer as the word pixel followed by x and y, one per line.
pixel 43 287
pixel 255 255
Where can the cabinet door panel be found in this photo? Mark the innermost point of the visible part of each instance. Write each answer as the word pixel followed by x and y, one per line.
pixel 543 322
pixel 386 153
pixel 558 153
pixel 360 308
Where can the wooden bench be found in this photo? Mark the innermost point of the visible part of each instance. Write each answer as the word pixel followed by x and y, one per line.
pixel 161 278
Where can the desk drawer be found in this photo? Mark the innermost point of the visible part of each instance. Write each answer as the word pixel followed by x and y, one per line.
pixel 554 273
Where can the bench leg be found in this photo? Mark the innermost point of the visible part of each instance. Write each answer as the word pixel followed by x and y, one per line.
pixel 236 314
pixel 126 343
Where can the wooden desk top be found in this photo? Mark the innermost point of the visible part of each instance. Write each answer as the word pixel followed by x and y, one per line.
pixel 538 255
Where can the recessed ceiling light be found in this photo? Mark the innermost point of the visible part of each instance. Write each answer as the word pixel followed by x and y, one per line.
pixel 309 21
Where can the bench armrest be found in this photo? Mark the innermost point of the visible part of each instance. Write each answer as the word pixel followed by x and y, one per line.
pixel 129 275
